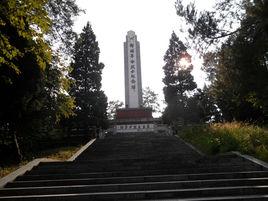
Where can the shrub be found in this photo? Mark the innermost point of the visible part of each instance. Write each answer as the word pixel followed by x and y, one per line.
pixel 224 137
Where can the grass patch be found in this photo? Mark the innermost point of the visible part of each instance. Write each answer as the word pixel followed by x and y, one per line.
pixel 62 154
pixel 224 137
pixel 8 169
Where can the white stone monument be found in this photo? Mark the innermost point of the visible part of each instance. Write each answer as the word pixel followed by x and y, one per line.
pixel 133 118
pixel 133 87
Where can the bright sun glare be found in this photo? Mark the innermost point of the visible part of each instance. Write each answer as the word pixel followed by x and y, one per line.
pixel 184 62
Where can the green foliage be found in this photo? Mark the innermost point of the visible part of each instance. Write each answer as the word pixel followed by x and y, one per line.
pixel 33 82
pixel 203 106
pixel 240 84
pixel 150 99
pixel 62 14
pixel 178 80
pixel 227 18
pixel 224 137
pixel 90 100
pixel 237 67
pixel 28 21
pixel 112 107
pixel 20 88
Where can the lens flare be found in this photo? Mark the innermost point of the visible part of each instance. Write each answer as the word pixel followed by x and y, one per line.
pixel 184 62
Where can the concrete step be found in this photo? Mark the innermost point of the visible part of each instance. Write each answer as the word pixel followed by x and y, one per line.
pixel 120 155
pixel 178 167
pixel 128 162
pixel 222 198
pixel 138 164
pixel 83 180
pixel 100 174
pixel 174 158
pixel 150 194
pixel 124 147
pixel 194 184
pixel 142 167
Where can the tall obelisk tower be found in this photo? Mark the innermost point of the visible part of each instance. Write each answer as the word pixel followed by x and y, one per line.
pixel 133 87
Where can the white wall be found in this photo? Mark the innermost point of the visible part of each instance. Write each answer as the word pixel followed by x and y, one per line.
pixel 129 128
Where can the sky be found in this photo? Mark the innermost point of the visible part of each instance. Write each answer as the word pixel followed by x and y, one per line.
pixel 153 22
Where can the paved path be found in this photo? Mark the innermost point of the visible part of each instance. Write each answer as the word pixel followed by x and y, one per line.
pixel 142 167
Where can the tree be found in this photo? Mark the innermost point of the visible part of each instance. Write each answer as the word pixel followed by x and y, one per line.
pixel 23 58
pixel 33 20
pixel 202 108
pixel 178 79
pixel 240 84
pixel 150 99
pixel 112 107
pixel 61 14
pixel 91 102
pixel 23 19
pixel 227 18
pixel 29 71
pixel 237 68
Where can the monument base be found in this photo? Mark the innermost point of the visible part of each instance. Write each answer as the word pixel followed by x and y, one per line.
pixel 134 120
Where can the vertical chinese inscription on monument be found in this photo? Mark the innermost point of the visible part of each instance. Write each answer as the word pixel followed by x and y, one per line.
pixel 133 97
pixel 132 68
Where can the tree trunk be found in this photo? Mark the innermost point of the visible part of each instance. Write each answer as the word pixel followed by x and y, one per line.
pixel 19 155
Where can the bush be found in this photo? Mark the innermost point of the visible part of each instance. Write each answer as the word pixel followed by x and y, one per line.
pixel 224 137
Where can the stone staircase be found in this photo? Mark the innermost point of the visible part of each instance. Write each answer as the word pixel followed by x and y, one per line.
pixel 142 167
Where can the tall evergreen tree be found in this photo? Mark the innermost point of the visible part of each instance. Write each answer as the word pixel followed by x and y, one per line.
pixel 178 80
pixel 90 99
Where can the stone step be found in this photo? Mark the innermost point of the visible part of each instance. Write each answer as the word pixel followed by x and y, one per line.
pixel 137 150
pixel 162 159
pixel 142 162
pixel 222 198
pixel 159 158
pixel 126 156
pixel 149 194
pixel 186 168
pixel 141 167
pixel 180 168
pixel 129 172
pixel 133 163
pixel 133 186
pixel 84 180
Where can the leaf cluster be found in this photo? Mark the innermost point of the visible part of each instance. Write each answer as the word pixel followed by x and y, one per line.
pixel 150 99
pixel 33 80
pixel 237 66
